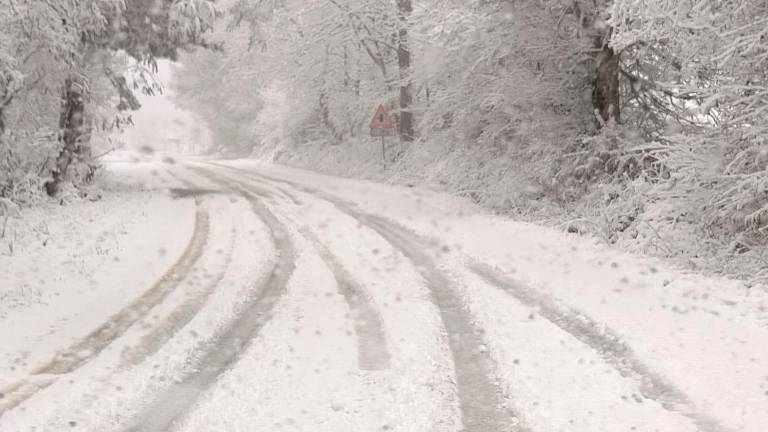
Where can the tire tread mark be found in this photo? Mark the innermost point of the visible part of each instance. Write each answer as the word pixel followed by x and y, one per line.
pixel 481 400
pixel 76 355
pixel 161 414
pixel 373 353
pixel 606 342
pixel 118 324
pixel 177 319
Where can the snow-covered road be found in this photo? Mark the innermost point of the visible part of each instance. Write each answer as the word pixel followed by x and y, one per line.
pixel 290 301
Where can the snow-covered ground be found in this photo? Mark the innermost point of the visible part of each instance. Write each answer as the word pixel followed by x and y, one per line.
pixel 67 269
pixel 694 344
pixel 200 295
pixel 243 296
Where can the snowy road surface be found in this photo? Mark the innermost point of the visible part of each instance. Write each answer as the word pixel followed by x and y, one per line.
pixel 236 296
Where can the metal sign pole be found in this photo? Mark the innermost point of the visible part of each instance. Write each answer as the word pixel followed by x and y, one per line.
pixel 383 151
pixel 381 126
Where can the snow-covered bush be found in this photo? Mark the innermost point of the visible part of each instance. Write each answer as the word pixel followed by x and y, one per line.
pixel 23 166
pixel 706 61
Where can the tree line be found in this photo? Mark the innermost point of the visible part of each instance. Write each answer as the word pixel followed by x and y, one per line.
pixel 556 100
pixel 560 99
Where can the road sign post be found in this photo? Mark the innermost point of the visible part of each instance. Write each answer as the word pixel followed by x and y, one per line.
pixel 382 126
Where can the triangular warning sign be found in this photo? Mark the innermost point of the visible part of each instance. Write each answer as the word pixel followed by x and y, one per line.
pixel 382 119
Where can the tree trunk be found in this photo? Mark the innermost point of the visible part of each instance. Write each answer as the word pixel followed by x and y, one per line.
pixel 605 94
pixel 605 89
pixel 325 116
pixel 405 8
pixel 73 131
pixel 4 102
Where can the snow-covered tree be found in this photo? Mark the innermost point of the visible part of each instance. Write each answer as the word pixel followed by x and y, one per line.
pixel 143 29
pixel 78 50
pixel 699 69
pixel 552 99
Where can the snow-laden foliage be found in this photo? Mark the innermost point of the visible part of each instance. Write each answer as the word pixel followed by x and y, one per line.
pixel 502 81
pixel 68 73
pixel 38 48
pixel 699 68
pixel 641 121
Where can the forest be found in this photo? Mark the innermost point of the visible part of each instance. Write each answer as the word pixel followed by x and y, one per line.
pixel 383 215
pixel 641 122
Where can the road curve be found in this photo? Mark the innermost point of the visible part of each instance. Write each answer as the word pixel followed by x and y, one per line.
pixel 75 356
pixel 481 401
pixel 165 409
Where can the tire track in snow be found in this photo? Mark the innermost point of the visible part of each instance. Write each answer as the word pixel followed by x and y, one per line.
pixel 598 337
pixel 75 356
pixel 181 316
pixel 606 342
pixel 160 334
pixel 372 350
pixel 481 400
pixel 13 396
pixel 170 406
